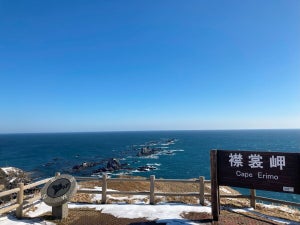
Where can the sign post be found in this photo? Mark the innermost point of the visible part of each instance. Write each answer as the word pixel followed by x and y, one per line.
pixel 57 192
pixel 215 203
pixel 271 171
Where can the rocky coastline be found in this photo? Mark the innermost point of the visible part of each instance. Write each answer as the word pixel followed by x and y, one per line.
pixel 9 179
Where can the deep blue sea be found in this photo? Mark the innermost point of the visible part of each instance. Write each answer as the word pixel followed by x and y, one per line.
pixel 187 157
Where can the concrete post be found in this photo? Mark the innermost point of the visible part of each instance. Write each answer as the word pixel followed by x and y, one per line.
pixel 201 180
pixel 60 211
pixel 152 189
pixel 104 188
pixel 20 199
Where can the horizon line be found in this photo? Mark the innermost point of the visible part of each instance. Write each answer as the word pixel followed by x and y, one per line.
pixel 116 131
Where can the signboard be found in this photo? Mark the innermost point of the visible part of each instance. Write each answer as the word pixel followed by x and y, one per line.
pixel 59 190
pixel 272 171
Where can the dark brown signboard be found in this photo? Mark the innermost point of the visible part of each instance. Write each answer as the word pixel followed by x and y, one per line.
pixel 272 171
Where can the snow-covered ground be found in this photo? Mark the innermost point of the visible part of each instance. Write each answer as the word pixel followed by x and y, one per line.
pixel 162 213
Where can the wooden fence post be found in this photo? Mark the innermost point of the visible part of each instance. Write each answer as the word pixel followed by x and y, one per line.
pixel 152 189
pixel 201 191
pixel 104 188
pixel 252 198
pixel 20 199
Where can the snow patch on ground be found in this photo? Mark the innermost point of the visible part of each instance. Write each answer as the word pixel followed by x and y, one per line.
pixel 281 208
pixel 225 190
pixel 11 220
pixel 135 199
pixel 163 213
pixel 275 219
pixel 39 209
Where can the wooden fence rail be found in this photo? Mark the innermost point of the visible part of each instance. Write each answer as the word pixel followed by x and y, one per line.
pixel 21 203
pixel 20 197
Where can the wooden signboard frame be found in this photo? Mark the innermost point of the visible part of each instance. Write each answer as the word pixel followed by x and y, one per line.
pixel 271 171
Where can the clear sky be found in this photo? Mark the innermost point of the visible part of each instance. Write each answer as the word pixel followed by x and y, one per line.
pixel 149 65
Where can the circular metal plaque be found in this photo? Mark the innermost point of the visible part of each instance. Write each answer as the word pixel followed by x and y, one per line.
pixel 59 190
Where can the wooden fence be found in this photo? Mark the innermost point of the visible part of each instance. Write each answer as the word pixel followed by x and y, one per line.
pixel 151 193
pixel 20 197
pixel 22 202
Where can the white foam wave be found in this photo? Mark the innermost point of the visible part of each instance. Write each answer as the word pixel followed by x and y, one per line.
pixel 154 156
pixel 153 164
pixel 122 173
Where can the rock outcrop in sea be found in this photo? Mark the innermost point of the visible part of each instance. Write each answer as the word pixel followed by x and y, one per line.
pixel 112 165
pixel 83 166
pixel 146 151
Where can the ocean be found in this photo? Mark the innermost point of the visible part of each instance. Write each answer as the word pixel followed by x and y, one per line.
pixel 183 154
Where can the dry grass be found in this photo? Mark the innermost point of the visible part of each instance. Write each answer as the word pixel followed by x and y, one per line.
pixel 82 198
pixel 178 188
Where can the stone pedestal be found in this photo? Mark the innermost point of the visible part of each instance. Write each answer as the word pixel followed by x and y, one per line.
pixel 61 211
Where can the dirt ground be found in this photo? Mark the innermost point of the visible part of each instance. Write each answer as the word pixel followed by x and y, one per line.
pixel 230 218
pixel 92 217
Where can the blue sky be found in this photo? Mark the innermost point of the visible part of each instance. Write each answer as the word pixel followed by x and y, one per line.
pixel 149 65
